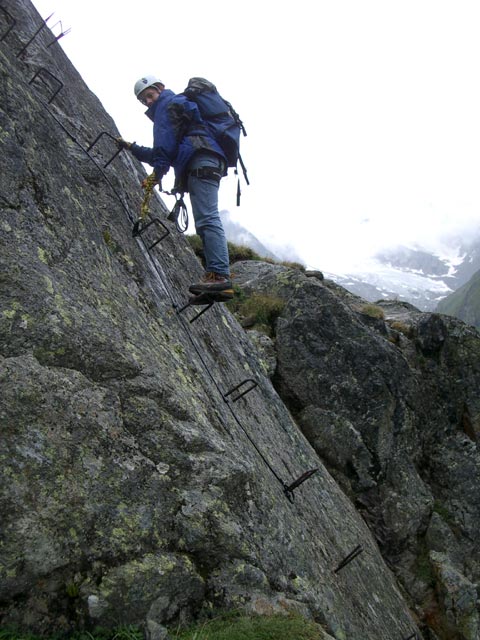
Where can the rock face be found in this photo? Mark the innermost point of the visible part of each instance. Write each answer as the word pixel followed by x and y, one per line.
pixel 388 397
pixel 140 484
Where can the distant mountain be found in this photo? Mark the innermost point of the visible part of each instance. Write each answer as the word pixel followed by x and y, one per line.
pixel 411 274
pixel 237 234
pixel 470 264
pixel 382 282
pixel 415 275
pixel 464 303
pixel 454 272
pixel 415 261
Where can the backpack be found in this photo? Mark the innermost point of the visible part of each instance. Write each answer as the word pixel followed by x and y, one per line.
pixel 222 120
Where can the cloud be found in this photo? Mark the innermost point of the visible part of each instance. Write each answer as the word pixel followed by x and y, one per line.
pixel 354 110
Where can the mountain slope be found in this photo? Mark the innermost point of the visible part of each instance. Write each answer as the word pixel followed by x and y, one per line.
pixel 137 488
pixel 151 471
pixel 237 234
pixel 464 303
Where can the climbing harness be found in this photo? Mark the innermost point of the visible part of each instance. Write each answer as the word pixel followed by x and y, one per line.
pixel 207 173
pixel 179 214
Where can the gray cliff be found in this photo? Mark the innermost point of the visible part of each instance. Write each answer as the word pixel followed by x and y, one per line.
pixel 137 486
pixel 388 396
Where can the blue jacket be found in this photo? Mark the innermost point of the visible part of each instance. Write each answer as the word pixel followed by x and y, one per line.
pixel 178 133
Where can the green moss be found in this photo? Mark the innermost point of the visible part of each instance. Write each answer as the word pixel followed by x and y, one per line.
pixel 72 590
pixel 11 313
pixel 47 356
pixel 42 255
pixel 179 350
pixel 110 242
pixel 423 567
pixel 49 285
pixel 4 134
pixel 61 307
pixel 443 512
pixel 235 626
pixel 107 236
pixel 12 634
pixel 123 632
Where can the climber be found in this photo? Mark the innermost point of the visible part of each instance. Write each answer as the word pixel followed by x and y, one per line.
pixel 181 140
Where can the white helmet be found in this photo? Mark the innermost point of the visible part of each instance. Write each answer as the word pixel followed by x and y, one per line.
pixel 144 83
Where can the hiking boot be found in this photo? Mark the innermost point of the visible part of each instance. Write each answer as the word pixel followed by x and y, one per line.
pixel 213 283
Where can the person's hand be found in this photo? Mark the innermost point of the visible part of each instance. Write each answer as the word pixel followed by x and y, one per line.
pixel 123 144
pixel 150 181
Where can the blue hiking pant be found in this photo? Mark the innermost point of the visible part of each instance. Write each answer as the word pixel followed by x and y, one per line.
pixel 204 198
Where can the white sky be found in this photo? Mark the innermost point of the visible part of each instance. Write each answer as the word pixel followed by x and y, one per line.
pixel 363 116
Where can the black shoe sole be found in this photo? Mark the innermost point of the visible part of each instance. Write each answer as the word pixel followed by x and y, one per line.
pixel 209 288
pixel 206 297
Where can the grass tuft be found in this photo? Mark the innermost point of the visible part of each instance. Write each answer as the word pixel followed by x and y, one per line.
pixel 238 253
pixel 124 632
pixel 227 626
pixel 242 627
pixel 402 327
pixel 373 311
pixel 261 309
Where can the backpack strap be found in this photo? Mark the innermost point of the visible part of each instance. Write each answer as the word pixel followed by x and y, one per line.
pixel 244 168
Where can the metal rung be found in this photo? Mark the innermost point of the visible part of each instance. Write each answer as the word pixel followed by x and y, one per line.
pixel 109 135
pixel 414 636
pixel 253 384
pixel 139 228
pixel 289 489
pixel 62 33
pixel 13 21
pixel 208 304
pixel 42 26
pixel 48 73
pixel 351 556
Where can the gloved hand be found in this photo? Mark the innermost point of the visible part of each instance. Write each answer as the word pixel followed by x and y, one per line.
pixel 123 144
pixel 150 181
